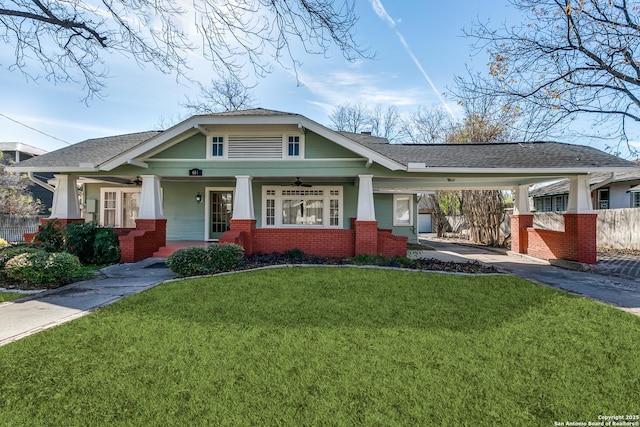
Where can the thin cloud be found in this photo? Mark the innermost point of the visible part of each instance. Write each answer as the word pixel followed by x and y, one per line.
pixel 379 10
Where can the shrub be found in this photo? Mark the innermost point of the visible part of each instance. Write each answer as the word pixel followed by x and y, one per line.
pixel 189 262
pixel 9 252
pixel 3 243
pixel 51 236
pixel 92 244
pixel 295 254
pixel 42 268
pixel 226 257
pixel 199 261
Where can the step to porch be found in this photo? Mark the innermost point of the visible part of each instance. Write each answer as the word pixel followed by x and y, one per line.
pixel 164 252
pixel 174 245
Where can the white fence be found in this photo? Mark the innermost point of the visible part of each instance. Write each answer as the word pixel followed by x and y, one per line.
pixel 13 227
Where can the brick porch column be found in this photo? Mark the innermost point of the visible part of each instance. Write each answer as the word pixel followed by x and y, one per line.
pixel 580 221
pixel 521 219
pixel 365 225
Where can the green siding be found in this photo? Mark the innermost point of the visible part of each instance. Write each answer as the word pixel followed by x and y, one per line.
pixel 384 214
pixel 318 147
pixel 194 147
pixel 186 218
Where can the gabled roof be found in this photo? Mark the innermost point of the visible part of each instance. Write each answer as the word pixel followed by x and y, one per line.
pixel 86 155
pixel 596 180
pixel 105 154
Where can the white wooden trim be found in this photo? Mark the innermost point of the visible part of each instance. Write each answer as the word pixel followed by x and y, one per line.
pixel 207 208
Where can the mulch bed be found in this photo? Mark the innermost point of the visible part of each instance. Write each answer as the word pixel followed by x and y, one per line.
pixel 472 267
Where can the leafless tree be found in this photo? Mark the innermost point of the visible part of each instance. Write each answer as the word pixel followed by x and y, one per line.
pixel 351 118
pixel 427 126
pixel 227 94
pixel 386 122
pixel 569 58
pixel 69 40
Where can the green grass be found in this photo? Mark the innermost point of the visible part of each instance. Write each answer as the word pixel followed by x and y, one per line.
pixel 9 296
pixel 329 346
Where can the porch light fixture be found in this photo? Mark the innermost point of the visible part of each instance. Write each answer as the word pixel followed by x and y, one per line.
pixel 198 198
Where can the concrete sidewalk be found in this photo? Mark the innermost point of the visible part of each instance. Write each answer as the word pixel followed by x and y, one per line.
pixel 42 311
pixel 620 292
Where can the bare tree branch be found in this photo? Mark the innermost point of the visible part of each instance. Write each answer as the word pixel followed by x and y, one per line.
pixel 69 40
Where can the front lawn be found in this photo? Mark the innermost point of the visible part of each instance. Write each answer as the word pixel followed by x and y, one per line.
pixel 9 296
pixel 329 346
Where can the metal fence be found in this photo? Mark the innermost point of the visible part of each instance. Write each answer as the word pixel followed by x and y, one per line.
pixel 13 227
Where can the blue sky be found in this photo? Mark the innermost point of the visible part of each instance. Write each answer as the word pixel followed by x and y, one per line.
pixel 419 48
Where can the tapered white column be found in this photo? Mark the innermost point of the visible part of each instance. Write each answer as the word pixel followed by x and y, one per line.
pixel 65 198
pixel 150 200
pixel 243 198
pixel 579 195
pixel 366 209
pixel 521 205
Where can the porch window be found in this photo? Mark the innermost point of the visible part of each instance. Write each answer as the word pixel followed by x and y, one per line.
pixel 603 198
pixel 402 209
pixel 119 207
pixel 635 199
pixel 297 207
pixel 560 204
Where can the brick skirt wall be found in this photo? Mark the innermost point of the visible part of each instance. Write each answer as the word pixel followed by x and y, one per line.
pixel 149 236
pixel 576 243
pixel 363 238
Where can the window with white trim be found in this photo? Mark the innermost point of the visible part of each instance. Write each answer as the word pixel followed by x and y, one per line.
pixel 319 207
pixel 402 210
pixel 119 207
pixel 293 146
pixel 635 199
pixel 217 147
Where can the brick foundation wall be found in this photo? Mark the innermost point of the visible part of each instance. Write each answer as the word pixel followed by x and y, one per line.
pixel 576 243
pixel 519 226
pixel 390 245
pixel 363 238
pixel 149 236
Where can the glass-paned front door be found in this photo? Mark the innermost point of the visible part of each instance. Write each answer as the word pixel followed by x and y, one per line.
pixel 221 212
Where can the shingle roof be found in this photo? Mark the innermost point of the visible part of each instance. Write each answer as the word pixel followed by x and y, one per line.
pixel 507 155
pixel 92 151
pixel 562 186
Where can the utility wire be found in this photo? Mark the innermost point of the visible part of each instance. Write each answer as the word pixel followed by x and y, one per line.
pixel 34 129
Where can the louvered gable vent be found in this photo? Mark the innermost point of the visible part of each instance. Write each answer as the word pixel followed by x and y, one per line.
pixel 255 147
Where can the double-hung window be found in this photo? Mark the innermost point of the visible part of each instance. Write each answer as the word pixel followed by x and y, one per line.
pixel 217 147
pixel 119 207
pixel 293 146
pixel 302 207
pixel 402 210
pixel 635 199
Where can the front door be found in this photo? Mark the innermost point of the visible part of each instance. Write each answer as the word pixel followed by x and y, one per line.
pixel 221 212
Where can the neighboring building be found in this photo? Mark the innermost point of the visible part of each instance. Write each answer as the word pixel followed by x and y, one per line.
pixel 273 181
pixel 16 152
pixel 609 190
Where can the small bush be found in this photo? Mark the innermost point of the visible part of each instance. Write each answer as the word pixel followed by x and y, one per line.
pixel 92 244
pixel 295 254
pixel 42 268
pixel 199 261
pixel 189 262
pixel 3 243
pixel 51 236
pixel 12 251
pixel 225 257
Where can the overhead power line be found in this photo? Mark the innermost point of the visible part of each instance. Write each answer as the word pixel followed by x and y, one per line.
pixel 34 129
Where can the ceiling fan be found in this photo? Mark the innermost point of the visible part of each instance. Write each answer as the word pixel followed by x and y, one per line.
pixel 298 183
